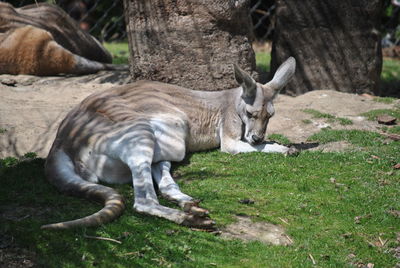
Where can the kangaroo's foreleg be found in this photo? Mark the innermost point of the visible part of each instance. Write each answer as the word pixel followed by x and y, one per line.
pixel 166 184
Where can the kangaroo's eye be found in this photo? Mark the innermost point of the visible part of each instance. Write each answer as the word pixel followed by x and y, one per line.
pixel 249 115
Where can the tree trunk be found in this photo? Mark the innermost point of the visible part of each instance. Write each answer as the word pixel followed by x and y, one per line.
pixel 191 43
pixel 336 44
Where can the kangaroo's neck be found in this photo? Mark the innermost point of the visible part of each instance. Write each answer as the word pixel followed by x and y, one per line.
pixel 219 100
pixel 206 116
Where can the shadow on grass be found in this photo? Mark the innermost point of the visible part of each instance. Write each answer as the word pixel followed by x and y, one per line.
pixel 389 88
pixel 28 201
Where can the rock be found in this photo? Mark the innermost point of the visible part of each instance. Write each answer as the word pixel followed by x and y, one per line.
pixel 386 119
pixel 8 82
pixel 246 201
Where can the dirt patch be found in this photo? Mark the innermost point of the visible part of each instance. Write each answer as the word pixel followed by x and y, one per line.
pixel 290 117
pixel 16 258
pixel 247 230
pixel 337 146
pixel 12 256
pixel 31 109
pixel 19 213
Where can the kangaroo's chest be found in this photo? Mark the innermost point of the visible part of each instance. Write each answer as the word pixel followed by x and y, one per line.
pixel 203 134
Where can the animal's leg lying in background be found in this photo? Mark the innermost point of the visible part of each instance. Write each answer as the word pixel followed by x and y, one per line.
pixel 170 190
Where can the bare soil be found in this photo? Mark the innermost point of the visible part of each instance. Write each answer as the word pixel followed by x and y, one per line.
pixel 31 108
pixel 246 229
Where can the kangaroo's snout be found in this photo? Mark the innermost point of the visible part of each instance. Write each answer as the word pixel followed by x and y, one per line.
pixel 257 139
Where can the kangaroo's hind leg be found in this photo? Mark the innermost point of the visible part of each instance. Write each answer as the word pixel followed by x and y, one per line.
pixel 170 190
pixel 135 147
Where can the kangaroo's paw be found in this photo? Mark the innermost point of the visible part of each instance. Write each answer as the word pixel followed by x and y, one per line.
pixel 198 222
pixel 192 207
pixel 293 151
pixel 197 216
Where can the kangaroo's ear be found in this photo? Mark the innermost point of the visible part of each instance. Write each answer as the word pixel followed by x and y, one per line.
pixel 247 82
pixel 282 76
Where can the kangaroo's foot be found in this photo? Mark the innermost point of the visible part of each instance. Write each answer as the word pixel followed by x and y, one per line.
pixel 293 151
pixel 192 216
pixel 197 216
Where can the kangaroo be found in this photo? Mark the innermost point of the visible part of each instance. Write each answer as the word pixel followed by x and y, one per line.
pixel 43 40
pixel 132 134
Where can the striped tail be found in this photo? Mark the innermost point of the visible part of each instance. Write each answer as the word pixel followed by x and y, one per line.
pixel 61 173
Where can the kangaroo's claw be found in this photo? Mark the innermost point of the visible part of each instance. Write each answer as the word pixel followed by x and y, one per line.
pixel 293 151
pixel 197 216
pixel 198 222
pixel 194 209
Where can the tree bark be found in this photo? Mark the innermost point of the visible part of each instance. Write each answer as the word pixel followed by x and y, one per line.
pixel 191 43
pixel 336 44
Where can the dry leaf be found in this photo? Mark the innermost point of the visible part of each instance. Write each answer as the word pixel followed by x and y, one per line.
pixel 347 235
pixel 395 137
pixel 351 256
pixel 397 166
pixel 369 96
pixel 357 219
pixel 394 212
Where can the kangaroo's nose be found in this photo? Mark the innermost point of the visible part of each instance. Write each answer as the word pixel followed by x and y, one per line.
pixel 256 138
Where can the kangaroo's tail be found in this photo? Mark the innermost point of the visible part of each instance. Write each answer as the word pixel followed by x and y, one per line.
pixel 86 66
pixel 61 173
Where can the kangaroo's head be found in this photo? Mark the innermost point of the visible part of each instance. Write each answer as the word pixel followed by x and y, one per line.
pixel 255 106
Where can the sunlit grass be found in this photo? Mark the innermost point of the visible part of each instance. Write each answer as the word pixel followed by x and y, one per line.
pixel 329 117
pixel 373 114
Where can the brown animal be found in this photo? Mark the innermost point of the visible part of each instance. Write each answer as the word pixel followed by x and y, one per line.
pixel 41 39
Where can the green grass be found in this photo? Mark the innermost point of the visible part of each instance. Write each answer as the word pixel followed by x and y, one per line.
pixel 390 70
pixel 331 118
pixel 263 60
pixel 373 114
pixel 390 78
pixel 320 214
pixel 356 137
pixel 119 52
pixel 279 138
pixel 387 100
pixel 391 129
